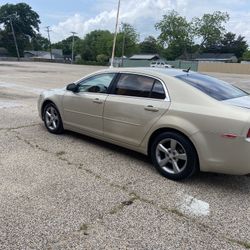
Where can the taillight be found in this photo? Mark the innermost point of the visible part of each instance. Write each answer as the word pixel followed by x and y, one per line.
pixel 248 134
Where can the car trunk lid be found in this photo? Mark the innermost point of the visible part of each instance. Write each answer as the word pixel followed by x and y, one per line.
pixel 243 102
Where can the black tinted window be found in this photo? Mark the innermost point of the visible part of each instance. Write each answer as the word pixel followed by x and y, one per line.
pixel 213 87
pixel 134 85
pixel 158 91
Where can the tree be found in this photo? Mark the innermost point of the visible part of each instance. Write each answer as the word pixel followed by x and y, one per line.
pixel 127 40
pixel 102 59
pixel 65 45
pixel 176 34
pixel 150 46
pixel 210 28
pixel 38 42
pixel 25 23
pixel 97 42
pixel 246 55
pixel 231 44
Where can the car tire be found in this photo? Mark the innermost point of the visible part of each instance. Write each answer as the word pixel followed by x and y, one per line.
pixel 174 156
pixel 52 119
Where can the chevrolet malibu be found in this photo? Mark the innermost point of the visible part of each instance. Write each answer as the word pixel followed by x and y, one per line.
pixel 184 121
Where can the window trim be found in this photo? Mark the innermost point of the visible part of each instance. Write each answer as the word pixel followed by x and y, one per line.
pixel 167 97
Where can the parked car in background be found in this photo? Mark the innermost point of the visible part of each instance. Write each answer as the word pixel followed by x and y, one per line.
pixel 184 121
pixel 160 64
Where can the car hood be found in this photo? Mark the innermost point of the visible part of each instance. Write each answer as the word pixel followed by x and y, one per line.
pixel 243 102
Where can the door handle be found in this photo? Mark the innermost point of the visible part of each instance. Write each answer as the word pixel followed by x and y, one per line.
pixel 98 101
pixel 151 108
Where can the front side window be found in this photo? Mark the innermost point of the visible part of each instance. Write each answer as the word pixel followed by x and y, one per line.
pixel 213 87
pixel 140 86
pixel 96 84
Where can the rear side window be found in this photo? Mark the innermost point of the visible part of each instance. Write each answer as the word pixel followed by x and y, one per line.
pixel 213 87
pixel 134 85
pixel 158 91
pixel 140 86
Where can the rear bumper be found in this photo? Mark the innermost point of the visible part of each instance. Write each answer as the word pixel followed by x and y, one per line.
pixel 223 155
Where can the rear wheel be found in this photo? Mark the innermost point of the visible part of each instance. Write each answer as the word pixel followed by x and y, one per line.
pixel 174 156
pixel 52 119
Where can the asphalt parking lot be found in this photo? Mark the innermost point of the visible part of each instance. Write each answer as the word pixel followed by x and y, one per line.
pixel 74 192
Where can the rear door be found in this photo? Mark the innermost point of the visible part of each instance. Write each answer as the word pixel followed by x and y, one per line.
pixel 136 103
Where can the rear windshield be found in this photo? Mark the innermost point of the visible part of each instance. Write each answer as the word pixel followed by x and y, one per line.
pixel 213 87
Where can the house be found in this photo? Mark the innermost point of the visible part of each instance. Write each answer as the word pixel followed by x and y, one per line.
pixel 210 57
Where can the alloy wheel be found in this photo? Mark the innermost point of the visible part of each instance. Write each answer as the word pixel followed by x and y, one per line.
pixel 171 156
pixel 52 118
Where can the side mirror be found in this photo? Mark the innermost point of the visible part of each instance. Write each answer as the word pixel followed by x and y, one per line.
pixel 72 87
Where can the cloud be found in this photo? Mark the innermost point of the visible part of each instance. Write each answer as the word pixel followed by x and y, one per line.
pixel 144 14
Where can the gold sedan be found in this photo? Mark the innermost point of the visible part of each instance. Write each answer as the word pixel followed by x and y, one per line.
pixel 184 121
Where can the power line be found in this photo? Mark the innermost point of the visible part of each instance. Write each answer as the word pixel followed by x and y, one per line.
pixel 48 31
pixel 73 43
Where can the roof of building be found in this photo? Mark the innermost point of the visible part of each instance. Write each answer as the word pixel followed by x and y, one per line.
pixel 36 53
pixel 43 53
pixel 145 57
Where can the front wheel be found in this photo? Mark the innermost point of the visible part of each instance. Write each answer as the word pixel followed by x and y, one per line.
pixel 174 156
pixel 52 119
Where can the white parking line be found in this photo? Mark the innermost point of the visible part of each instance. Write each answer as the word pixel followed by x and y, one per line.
pixel 192 206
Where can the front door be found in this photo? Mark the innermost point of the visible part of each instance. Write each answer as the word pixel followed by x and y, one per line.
pixel 83 109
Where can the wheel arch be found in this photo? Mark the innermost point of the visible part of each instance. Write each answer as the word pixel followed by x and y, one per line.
pixel 168 129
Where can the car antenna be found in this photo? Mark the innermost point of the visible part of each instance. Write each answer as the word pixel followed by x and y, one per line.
pixel 187 70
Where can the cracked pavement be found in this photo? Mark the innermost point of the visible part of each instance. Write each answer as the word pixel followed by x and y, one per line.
pixel 75 192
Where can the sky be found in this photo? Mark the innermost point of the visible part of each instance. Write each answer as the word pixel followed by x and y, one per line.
pixel 83 16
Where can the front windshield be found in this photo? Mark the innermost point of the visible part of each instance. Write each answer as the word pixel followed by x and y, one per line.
pixel 213 87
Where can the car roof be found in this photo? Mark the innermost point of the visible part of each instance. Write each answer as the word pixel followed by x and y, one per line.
pixel 149 70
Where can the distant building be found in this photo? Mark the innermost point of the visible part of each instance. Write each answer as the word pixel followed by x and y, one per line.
pixel 211 57
pixel 145 57
pixel 143 60
pixel 56 54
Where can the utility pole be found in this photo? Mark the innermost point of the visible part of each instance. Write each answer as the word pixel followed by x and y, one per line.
pixel 123 47
pixel 14 37
pixel 48 31
pixel 115 36
pixel 73 43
